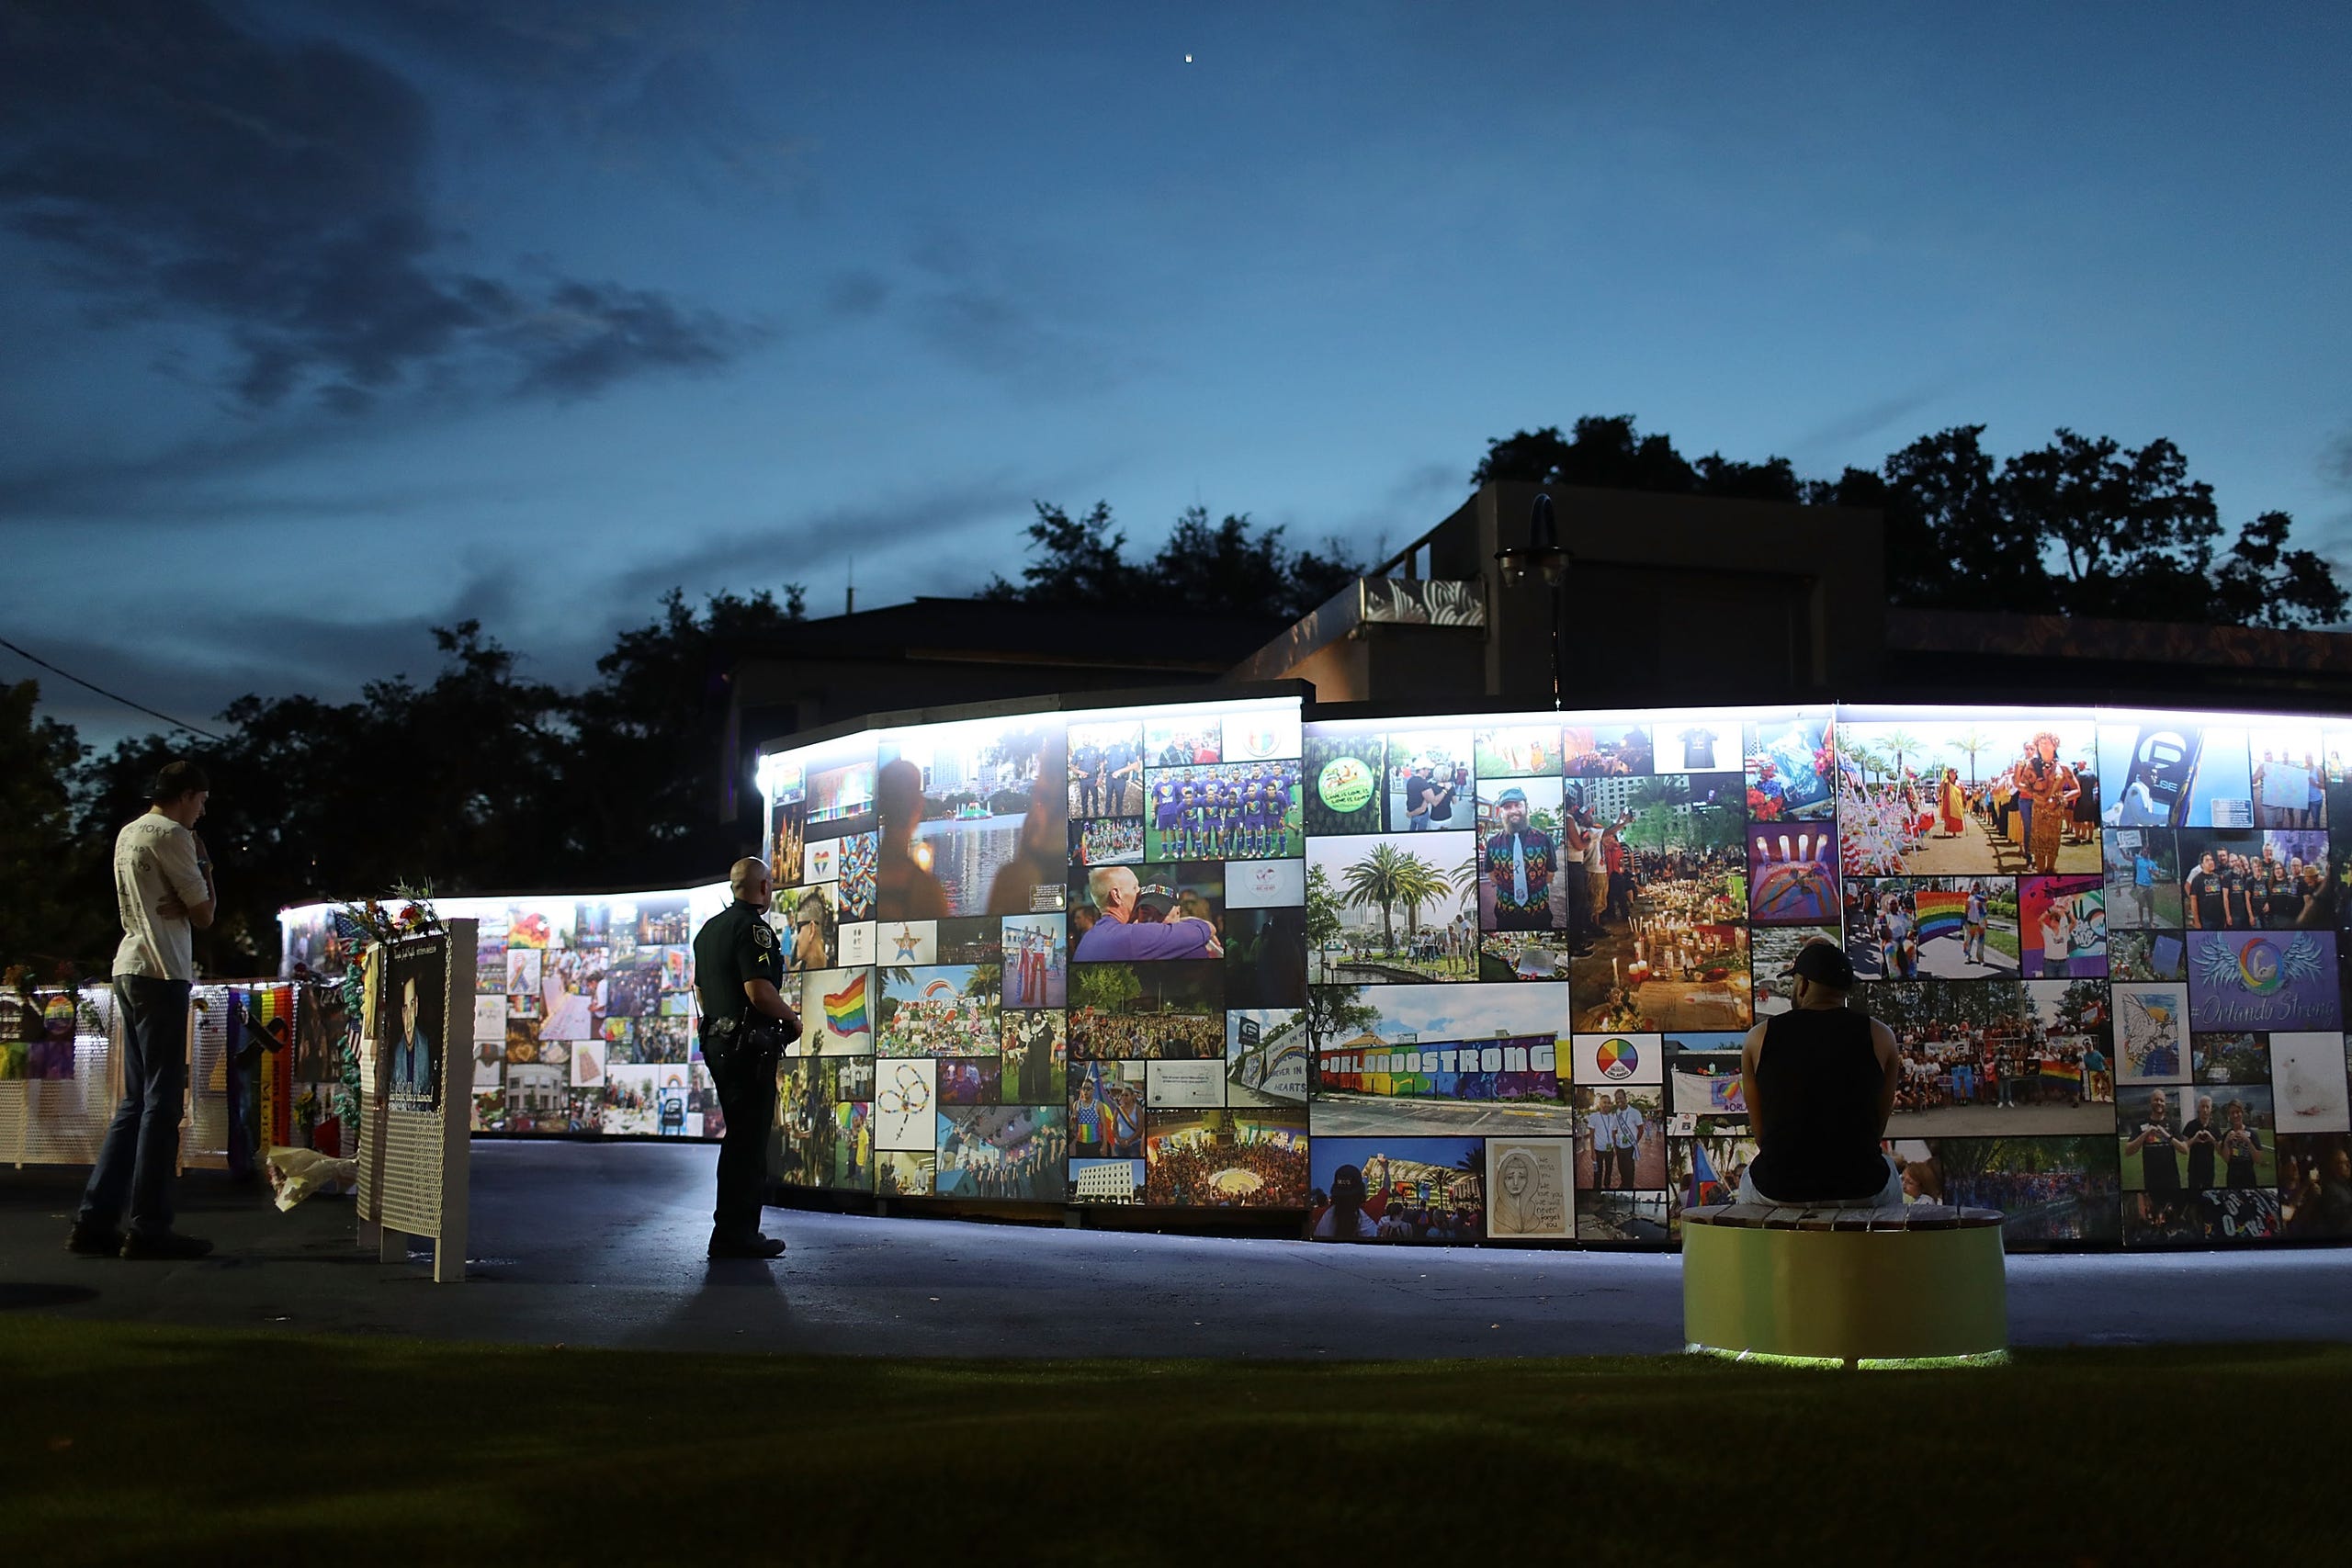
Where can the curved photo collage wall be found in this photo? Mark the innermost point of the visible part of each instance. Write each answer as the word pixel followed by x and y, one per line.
pixel 1485 977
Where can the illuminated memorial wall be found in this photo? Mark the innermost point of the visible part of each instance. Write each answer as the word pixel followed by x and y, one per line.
pixel 1203 956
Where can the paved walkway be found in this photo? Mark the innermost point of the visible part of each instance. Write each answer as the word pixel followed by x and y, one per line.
pixel 588 1244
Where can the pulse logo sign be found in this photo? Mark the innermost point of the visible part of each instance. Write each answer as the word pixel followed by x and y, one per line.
pixel 1618 1059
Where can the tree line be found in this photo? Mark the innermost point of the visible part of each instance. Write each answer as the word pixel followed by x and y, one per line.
pixel 483 778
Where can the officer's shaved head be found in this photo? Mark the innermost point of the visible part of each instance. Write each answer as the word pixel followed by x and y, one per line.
pixel 747 879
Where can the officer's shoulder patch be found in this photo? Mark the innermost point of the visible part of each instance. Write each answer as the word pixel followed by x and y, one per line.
pixel 763 934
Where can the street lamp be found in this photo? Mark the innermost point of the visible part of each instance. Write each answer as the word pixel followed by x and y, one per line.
pixel 1544 555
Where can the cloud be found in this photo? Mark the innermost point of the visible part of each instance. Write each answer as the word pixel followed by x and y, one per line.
pixel 171 165
pixel 990 315
pixel 1869 419
pixel 2335 461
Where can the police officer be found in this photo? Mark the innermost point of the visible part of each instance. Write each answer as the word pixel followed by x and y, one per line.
pixel 745 1026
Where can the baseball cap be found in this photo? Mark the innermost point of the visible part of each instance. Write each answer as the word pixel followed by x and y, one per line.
pixel 1156 896
pixel 1824 961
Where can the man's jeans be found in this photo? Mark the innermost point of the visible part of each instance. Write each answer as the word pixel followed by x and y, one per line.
pixel 143 1142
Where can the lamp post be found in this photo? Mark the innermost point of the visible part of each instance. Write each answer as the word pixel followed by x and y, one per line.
pixel 1544 555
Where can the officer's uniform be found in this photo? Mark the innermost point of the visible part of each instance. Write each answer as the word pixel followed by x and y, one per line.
pixel 735 947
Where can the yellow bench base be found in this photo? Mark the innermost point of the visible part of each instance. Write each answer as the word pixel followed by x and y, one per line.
pixel 1851 1298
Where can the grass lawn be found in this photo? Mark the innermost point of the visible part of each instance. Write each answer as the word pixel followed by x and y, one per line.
pixel 132 1443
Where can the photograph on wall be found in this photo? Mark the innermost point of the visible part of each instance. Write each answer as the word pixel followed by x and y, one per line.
pixel 1605 745
pixel 2003 1058
pixel 1706 1170
pixel 1702 1082
pixel 969 822
pixel 906 1099
pixel 942 1010
pixel 2062 924
pixel 1133 1012
pixel 1516 752
pixel 1398 1189
pixel 905 1173
pixel 523 966
pixel 2147 955
pixel 1107 760
pixel 1036 955
pixel 1106 1109
pixel 1183 737
pixel 853 898
pixel 1529 1189
pixel 588 1064
pixel 1520 863
pixel 539 1100
pixel 841 793
pixel 1223 811
pixel 1430 781
pixel 2315 1185
pixel 411 1022
pixel 1991 796
pixel 1183 1086
pixel 1011 1152
pixel 856 943
pixel 1343 774
pixel 976 938
pixel 2232 1135
pixel 1106 1181
pixel 1162 912
pixel 2264 981
pixel 1791 879
pixel 2285 776
pixel 1392 908
pixel 2307 1077
pixel 1932 928
pixel 810 924
pixel 2244 879
pixel 1772 958
pixel 910 944
pixel 1695 742
pixel 1265 957
pixel 1266 884
pixel 2159 772
pixel 1263 732
pixel 966 1080
pixel 2049 1190
pixel 1109 841
pixel 2151 1032
pixel 1621 1137
pixel 1629 1219
pixel 1791 767
pixel 821 861
pixel 2229 1058
pixel 629 1105
pixel 1036 1049
pixel 1267 1056
pixel 1253 1159
pixel 1664 891
pixel 2234 1215
pixel 1458 1059
pixel 2143 876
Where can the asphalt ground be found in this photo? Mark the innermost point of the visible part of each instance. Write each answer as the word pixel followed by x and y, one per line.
pixel 602 1245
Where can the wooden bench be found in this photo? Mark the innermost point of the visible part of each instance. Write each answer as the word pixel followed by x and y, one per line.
pixel 1852 1286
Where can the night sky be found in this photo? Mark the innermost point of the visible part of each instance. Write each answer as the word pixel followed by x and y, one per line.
pixel 327 323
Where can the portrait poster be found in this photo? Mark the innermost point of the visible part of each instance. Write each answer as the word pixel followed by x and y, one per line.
pixel 411 1022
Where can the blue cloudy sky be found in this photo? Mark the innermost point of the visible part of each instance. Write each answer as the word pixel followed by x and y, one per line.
pixel 330 322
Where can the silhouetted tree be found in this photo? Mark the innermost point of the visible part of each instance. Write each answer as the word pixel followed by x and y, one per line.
pixel 1232 565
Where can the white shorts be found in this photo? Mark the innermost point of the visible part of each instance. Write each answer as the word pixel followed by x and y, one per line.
pixel 1887 1196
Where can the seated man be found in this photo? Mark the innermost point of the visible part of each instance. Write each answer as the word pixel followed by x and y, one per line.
pixel 1819 1084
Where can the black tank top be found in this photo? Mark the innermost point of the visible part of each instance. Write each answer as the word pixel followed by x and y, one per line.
pixel 1819 1079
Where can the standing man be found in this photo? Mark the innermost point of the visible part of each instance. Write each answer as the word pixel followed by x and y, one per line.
pixel 163 892
pixel 745 1027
